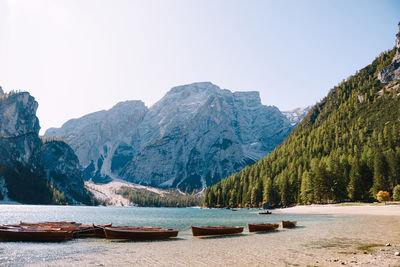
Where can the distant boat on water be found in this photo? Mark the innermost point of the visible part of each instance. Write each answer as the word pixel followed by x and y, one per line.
pixel 265 212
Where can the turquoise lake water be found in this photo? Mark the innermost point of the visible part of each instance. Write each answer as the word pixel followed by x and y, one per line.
pixel 176 218
pixel 20 253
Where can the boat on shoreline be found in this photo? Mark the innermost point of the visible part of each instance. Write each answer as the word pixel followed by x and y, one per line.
pixel 262 227
pixel 35 235
pixel 289 224
pixel 216 230
pixel 78 230
pixel 139 233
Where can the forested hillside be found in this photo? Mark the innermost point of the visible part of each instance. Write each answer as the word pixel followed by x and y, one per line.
pixel 346 148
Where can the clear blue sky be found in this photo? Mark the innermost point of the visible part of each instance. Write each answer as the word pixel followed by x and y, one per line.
pixel 80 56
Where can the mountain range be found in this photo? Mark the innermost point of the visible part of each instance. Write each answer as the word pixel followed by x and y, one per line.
pixel 190 139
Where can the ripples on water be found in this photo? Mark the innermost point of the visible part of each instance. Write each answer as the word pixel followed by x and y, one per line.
pixel 177 218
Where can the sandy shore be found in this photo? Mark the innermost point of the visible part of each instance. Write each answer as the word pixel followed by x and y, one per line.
pixel 339 209
pixel 323 241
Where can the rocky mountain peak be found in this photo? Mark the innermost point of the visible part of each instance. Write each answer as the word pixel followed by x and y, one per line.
pixel 130 105
pixel 18 115
pixel 193 88
pixel 1 91
pixel 297 114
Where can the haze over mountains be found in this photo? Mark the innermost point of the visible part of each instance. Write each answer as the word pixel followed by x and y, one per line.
pixel 191 138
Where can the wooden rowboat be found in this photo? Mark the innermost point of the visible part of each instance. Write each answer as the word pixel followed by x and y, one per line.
pixel 49 223
pixel 216 230
pixel 16 234
pixel 98 230
pixel 264 212
pixel 288 224
pixel 138 233
pixel 262 227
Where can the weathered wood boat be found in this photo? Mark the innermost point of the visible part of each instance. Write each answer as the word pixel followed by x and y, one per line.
pixel 216 230
pixel 288 224
pixel 31 235
pixel 262 227
pixel 264 212
pixel 61 223
pixel 138 233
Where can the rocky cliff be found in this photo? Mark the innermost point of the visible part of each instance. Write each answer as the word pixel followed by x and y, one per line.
pixel 30 171
pixel 391 74
pixel 296 115
pixel 193 137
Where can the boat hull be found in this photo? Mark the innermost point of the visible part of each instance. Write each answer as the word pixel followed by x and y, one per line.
pixel 34 236
pixel 139 233
pixel 262 227
pixel 288 224
pixel 216 230
pixel 265 212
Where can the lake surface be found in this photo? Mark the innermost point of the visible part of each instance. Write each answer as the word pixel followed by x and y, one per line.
pixel 95 252
pixel 176 218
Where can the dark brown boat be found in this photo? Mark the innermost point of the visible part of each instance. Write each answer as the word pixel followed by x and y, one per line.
pixel 216 230
pixel 99 229
pixel 264 212
pixel 288 224
pixel 138 233
pixel 48 223
pixel 262 227
pixel 19 234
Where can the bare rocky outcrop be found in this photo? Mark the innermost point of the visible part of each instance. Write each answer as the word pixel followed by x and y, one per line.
pixel 19 128
pixel 392 72
pixel 26 164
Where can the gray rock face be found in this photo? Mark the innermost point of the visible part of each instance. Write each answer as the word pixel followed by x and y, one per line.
pixel 62 168
pixel 296 115
pixel 392 72
pixel 193 137
pixel 21 148
pixel 19 128
pixel 1 91
pixel 98 137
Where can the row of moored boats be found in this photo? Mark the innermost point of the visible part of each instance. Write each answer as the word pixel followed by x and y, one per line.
pixel 64 231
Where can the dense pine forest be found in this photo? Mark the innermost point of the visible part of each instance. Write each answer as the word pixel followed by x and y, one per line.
pixel 346 149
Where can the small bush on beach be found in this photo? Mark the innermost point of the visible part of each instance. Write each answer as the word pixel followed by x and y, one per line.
pixel 383 196
pixel 396 193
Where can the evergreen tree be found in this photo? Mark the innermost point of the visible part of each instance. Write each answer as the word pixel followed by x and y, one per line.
pixel 307 193
pixel 381 176
pixel 354 188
